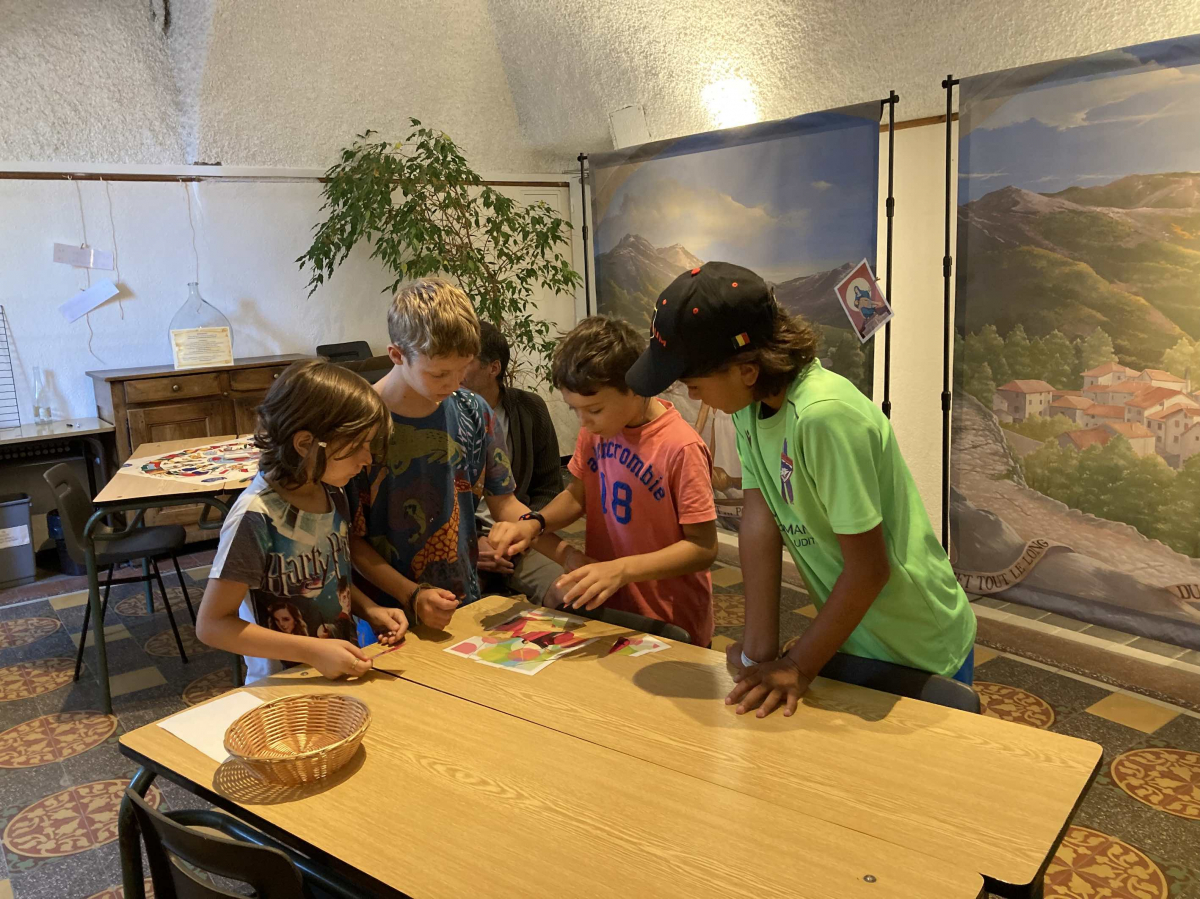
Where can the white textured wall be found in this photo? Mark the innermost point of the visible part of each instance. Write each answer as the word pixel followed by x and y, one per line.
pixel 523 85
pixel 85 82
pixel 571 64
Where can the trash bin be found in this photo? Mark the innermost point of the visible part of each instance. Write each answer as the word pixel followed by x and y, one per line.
pixel 16 544
pixel 66 564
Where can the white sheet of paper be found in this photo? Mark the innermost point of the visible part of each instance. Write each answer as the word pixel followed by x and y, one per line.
pixel 87 300
pixel 83 257
pixel 204 726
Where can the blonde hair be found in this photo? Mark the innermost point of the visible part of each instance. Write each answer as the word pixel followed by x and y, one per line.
pixel 432 317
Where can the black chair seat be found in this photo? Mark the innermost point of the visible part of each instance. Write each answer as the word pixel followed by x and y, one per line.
pixel 900 680
pixel 144 543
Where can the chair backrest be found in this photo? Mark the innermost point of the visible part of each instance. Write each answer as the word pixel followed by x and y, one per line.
pixel 900 680
pixel 345 352
pixel 74 508
pixel 267 870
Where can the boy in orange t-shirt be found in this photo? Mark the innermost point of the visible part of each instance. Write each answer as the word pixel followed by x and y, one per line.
pixel 644 478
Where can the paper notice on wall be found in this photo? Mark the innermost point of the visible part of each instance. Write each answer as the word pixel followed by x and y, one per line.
pixel 87 300
pixel 18 536
pixel 201 347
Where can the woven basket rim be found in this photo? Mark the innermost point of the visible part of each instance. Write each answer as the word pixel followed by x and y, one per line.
pixel 308 753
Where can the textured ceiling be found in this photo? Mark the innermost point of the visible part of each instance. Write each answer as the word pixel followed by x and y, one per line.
pixel 523 85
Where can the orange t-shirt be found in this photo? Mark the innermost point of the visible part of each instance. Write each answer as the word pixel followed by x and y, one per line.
pixel 641 487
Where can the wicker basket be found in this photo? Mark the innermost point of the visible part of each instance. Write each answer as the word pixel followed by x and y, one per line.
pixel 298 739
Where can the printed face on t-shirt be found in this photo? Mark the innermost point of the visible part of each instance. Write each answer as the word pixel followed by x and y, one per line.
pixel 606 412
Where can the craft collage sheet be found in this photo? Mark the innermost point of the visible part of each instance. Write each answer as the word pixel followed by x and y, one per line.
pixel 532 639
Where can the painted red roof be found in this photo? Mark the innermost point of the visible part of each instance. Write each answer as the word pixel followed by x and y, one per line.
pixel 1108 368
pixel 1072 402
pixel 1129 429
pixel 1027 386
pixel 1089 437
pixel 1154 396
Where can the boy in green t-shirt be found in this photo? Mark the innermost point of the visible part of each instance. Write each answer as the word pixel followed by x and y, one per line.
pixel 821 474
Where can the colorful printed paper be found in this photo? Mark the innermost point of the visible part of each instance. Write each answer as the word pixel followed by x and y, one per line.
pixel 863 302
pixel 638 645
pixel 234 461
pixel 527 642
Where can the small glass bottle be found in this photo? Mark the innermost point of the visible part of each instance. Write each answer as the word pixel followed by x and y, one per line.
pixel 41 398
pixel 196 312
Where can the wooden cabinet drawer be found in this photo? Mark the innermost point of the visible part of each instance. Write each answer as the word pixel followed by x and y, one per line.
pixel 154 390
pixel 254 378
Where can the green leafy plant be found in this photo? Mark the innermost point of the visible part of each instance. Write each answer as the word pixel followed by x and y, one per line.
pixel 426 212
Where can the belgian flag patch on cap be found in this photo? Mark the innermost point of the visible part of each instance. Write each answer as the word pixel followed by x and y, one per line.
pixel 742 339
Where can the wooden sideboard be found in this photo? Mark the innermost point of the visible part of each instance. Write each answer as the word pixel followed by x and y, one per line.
pixel 157 403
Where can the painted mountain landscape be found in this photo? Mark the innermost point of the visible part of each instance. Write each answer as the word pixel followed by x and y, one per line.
pixel 1076 464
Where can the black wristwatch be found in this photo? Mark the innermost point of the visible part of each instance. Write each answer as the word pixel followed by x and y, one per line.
pixel 535 516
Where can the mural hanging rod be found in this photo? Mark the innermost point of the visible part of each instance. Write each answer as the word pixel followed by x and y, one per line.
pixel 892 99
pixel 587 290
pixel 947 334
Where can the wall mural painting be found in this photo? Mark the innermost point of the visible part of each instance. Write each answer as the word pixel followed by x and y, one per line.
pixel 794 200
pixel 1076 460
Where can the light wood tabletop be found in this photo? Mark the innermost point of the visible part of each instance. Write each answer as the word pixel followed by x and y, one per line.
pixel 54 430
pixel 448 798
pixel 968 789
pixel 125 487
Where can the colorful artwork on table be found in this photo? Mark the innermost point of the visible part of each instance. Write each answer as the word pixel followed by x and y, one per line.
pixel 637 645
pixel 234 461
pixel 794 200
pixel 1076 435
pixel 525 656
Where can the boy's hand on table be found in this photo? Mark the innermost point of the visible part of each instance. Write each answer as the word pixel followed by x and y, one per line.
pixel 390 625
pixel 338 658
pixel 435 607
pixel 590 586
pixel 490 560
pixel 768 686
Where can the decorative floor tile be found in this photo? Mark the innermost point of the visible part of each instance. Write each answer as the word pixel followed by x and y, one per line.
pixel 69 600
pixel 720 644
pixel 983 654
pixel 133 681
pixel 1014 704
pixel 726 577
pixel 20 631
pixel 729 609
pixel 163 643
pixel 52 738
pixel 808 611
pixel 118 891
pixel 135 606
pixel 217 682
pixel 1165 779
pixel 73 820
pixel 112 633
pixel 1133 712
pixel 27 679
pixel 1092 864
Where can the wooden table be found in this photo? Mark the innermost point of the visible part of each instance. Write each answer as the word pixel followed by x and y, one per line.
pixel 968 789
pixel 449 798
pixel 130 493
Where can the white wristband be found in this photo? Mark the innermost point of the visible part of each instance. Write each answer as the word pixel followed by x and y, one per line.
pixel 747 662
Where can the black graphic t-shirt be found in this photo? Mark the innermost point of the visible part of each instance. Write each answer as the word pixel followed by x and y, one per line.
pixel 296 564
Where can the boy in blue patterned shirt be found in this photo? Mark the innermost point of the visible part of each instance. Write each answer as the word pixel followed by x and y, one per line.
pixel 413 536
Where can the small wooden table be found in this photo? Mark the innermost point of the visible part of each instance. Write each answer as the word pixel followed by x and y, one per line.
pixel 130 493
pixel 968 789
pixel 85 431
pixel 448 798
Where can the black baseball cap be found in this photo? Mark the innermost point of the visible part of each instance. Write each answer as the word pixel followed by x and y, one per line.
pixel 704 316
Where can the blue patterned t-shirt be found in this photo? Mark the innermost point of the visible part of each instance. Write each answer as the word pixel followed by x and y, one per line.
pixel 417 508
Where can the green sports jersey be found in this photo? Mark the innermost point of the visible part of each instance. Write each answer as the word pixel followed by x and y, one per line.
pixel 827 463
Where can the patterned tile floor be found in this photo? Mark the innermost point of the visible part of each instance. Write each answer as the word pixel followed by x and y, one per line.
pixel 1137 833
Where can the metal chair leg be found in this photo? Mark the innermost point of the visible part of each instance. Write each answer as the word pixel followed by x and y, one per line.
pixel 87 614
pixel 170 614
pixel 182 586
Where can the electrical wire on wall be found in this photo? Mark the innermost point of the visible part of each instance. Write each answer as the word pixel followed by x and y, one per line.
pixel 112 230
pixel 87 271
